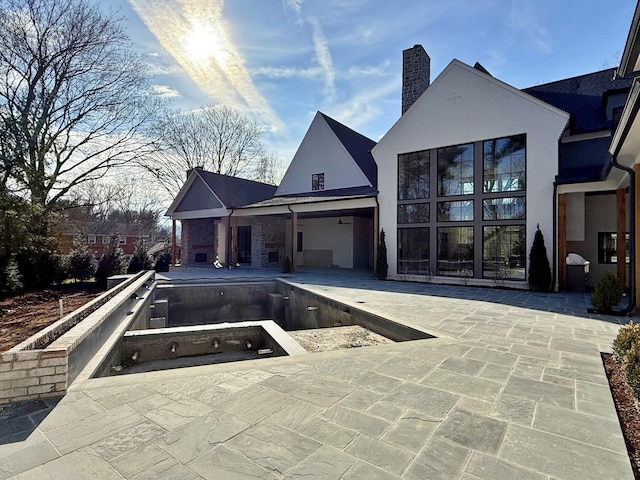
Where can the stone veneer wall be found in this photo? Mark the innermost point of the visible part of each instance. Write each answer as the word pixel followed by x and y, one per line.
pixel 198 236
pixel 416 72
pixel 267 235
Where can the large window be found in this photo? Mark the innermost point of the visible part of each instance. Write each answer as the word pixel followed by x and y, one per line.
pixel 511 208
pixel 455 170
pixel 504 252
pixel 455 211
pixel 505 164
pixel 413 213
pixel 413 175
pixel 413 251
pixel 455 251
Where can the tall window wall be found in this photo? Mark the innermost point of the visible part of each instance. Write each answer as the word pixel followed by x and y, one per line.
pixel 462 211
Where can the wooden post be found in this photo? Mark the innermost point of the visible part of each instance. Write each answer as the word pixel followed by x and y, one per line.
pixel 562 241
pixel 621 230
pixel 294 242
pixel 174 247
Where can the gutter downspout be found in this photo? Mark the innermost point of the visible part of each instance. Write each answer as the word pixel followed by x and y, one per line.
pixel 229 234
pixel 632 243
pixel 554 276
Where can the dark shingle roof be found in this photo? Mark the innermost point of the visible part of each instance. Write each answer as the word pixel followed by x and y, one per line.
pixel 358 146
pixel 584 97
pixel 236 192
pixel 584 161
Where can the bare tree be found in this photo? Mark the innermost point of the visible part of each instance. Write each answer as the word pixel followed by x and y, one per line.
pixel 218 138
pixel 73 97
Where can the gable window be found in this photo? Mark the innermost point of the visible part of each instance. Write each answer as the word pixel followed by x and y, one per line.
pixel 455 170
pixel 504 164
pixel 413 175
pixel 317 181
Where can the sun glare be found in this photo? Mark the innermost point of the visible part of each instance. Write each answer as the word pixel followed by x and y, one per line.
pixel 203 43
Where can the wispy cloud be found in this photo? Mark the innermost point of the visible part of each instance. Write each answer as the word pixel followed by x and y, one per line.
pixel 196 35
pixel 523 18
pixel 323 56
pixel 294 5
pixel 165 91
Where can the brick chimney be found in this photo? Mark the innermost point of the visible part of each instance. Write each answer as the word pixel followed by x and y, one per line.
pixel 416 72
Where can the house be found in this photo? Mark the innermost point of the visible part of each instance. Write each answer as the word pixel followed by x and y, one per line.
pixel 465 177
pixel 321 215
pixel 98 235
pixel 625 155
pixel 460 183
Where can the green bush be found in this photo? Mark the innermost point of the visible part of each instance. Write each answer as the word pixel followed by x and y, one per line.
pixel 607 293
pixel 38 263
pixel 112 262
pixel 286 265
pixel 539 269
pixel 140 259
pixel 626 349
pixel 82 263
pixel 12 281
pixel 163 260
pixel 382 267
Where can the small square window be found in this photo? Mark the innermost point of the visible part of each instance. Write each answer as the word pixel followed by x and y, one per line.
pixel 122 240
pixel 91 239
pixel 317 181
pixel 608 247
pixel 106 239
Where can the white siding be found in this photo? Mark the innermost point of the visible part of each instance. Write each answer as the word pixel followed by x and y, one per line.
pixel 321 152
pixel 464 105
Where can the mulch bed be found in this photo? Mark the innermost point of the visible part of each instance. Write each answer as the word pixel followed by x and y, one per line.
pixel 627 407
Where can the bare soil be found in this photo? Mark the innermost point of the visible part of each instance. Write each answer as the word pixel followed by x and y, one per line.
pixel 23 315
pixel 336 338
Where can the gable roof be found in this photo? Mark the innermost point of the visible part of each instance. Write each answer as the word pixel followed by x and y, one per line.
pixel 208 191
pixel 358 146
pixel 341 155
pixel 584 97
pixel 236 192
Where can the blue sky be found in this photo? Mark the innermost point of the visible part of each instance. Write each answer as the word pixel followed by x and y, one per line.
pixel 280 61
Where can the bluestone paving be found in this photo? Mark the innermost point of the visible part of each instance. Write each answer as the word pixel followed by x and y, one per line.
pixel 512 388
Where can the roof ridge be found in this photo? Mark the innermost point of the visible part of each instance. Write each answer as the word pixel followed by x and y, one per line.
pixel 612 69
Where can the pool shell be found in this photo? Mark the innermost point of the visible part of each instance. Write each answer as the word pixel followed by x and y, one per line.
pixel 216 320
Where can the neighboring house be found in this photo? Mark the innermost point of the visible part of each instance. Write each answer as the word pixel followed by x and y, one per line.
pixel 321 215
pixel 98 235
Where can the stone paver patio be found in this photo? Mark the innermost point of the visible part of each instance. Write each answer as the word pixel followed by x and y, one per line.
pixel 512 388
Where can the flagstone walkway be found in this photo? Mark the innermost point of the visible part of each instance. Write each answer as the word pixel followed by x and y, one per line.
pixel 513 387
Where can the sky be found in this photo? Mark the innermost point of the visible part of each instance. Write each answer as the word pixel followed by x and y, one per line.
pixel 281 61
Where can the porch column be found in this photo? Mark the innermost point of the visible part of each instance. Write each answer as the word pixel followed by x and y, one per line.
pixel 621 230
pixel 562 241
pixel 294 240
pixel 636 236
pixel 173 242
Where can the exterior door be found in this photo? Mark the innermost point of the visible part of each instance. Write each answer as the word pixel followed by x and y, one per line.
pixel 244 244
